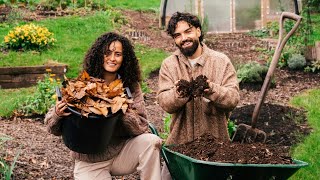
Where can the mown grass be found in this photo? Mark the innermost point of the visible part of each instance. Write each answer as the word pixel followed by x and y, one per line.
pixel 153 5
pixel 309 149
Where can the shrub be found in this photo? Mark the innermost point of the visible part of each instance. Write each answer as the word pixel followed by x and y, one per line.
pixel 29 36
pixel 251 72
pixel 296 61
pixel 43 98
pixel 314 67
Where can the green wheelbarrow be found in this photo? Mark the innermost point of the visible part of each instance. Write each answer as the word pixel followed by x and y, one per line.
pixel 183 167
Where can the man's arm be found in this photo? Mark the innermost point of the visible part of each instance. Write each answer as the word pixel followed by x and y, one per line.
pixel 168 97
pixel 226 95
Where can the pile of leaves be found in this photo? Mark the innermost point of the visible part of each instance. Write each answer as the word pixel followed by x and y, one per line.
pixel 195 88
pixel 92 95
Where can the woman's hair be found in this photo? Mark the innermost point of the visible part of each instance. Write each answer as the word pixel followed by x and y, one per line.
pixel 187 17
pixel 129 71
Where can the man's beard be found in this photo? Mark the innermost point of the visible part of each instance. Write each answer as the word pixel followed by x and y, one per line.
pixel 189 51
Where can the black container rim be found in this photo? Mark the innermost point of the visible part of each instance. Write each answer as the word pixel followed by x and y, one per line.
pixel 91 116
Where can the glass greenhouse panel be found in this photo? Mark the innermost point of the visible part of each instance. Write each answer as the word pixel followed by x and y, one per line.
pixel 247 14
pixel 218 14
pixel 179 5
pixel 278 6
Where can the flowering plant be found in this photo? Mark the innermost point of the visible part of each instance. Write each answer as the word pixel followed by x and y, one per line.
pixel 29 36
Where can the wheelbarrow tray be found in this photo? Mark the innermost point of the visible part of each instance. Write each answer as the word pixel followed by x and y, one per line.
pixel 186 168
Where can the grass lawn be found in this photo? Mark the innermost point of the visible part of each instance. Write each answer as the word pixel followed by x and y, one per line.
pixel 309 149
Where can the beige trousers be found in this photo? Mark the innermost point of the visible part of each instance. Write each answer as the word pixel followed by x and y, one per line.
pixel 165 174
pixel 142 153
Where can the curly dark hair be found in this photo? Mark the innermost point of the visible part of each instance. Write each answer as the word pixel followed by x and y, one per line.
pixel 129 71
pixel 187 17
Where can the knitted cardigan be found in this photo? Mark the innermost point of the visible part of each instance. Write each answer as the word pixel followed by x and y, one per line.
pixel 201 115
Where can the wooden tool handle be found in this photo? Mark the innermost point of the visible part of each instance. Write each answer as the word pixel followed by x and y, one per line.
pixel 274 62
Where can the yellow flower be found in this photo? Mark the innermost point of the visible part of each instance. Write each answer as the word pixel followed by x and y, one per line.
pixel 6 39
pixel 54 96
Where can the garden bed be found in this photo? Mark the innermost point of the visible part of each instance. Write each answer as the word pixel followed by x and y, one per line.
pixel 26 76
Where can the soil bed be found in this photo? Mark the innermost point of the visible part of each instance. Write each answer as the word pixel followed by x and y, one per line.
pixel 207 148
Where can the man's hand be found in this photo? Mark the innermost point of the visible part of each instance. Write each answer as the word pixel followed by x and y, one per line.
pixel 183 87
pixel 208 90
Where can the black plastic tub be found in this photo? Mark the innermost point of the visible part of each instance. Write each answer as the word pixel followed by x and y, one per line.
pixel 88 135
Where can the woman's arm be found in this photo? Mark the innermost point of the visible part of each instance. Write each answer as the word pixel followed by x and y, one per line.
pixel 135 119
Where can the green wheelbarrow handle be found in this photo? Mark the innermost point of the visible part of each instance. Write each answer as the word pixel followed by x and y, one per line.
pixel 163 154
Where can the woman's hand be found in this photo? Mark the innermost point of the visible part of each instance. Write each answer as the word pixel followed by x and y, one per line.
pixel 60 108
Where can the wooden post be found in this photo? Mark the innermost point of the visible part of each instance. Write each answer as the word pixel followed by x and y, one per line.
pixel 317 47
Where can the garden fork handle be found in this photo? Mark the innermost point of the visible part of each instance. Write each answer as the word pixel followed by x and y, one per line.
pixel 281 43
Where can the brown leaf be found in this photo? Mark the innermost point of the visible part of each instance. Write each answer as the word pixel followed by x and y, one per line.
pixel 115 83
pixel 95 110
pixel 118 101
pixel 84 76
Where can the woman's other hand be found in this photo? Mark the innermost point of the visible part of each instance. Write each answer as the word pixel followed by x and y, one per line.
pixel 60 108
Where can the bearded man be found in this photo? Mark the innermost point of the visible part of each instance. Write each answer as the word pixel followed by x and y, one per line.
pixel 194 116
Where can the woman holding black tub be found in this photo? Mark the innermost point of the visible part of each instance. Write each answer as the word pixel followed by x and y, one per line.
pixel 131 148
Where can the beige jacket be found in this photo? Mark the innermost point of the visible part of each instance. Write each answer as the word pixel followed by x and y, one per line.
pixel 191 119
pixel 132 124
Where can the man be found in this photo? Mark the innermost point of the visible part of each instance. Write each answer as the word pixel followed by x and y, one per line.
pixel 196 116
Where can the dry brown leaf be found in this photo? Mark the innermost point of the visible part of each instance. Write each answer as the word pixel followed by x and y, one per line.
pixel 124 108
pixel 114 83
pixel 95 110
pixel 92 95
pixel 118 101
pixel 80 95
pixel 84 76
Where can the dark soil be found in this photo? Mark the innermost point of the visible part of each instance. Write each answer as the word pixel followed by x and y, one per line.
pixel 44 156
pixel 272 120
pixel 195 88
pixel 207 148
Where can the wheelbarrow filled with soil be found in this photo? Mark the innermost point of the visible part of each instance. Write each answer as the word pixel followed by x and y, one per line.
pixel 187 168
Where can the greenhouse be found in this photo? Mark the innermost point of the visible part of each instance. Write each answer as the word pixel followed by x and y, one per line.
pixel 221 16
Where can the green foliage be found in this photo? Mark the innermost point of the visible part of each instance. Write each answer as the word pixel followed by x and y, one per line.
pixel 144 87
pixel 117 17
pixel 6 170
pixel 261 33
pixel 29 36
pixel 4 1
pixel 314 67
pixel 166 126
pixel 43 98
pixel 251 72
pixel 231 128
pixel 296 61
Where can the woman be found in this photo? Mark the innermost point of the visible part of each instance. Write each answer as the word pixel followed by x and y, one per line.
pixel 131 148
